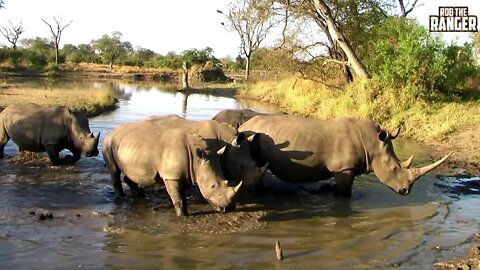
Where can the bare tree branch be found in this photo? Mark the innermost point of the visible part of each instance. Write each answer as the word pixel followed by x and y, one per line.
pixel 252 20
pixel 57 34
pixel 12 33
pixel 404 10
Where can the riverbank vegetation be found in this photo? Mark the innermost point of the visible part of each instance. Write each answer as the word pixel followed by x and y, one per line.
pixel 380 64
pixel 428 87
pixel 95 101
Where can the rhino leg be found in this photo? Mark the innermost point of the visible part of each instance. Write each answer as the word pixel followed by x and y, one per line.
pixel 176 192
pixel 117 183
pixel 344 181
pixel 53 154
pixel 76 154
pixel 136 190
pixel 3 140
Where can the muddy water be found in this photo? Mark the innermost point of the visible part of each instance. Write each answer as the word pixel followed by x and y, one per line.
pixel 375 229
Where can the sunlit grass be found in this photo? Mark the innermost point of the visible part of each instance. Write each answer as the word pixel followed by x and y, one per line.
pixel 420 119
pixel 103 68
pixel 94 100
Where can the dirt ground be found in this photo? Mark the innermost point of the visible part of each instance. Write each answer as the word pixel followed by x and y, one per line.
pixel 466 151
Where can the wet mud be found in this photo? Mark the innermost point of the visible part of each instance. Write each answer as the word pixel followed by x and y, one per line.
pixel 376 228
pixel 64 217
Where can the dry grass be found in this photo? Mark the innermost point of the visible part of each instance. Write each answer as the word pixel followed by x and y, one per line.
pixel 94 100
pixel 420 119
pixel 101 68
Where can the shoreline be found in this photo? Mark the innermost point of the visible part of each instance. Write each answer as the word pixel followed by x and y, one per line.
pixel 465 145
pixel 464 162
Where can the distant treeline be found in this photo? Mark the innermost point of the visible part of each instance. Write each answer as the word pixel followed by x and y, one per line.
pixel 109 49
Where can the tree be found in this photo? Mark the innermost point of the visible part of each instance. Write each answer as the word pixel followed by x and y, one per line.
pixel 197 57
pixel 406 9
pixel 12 33
pixel 57 34
pixel 336 33
pixel 252 20
pixel 37 50
pixel 112 47
pixel 344 26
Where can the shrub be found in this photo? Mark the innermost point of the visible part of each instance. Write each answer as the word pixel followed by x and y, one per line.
pixel 405 55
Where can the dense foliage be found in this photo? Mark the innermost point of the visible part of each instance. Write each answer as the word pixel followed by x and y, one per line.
pixel 405 55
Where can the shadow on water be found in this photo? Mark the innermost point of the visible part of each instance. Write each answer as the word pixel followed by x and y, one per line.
pixel 374 229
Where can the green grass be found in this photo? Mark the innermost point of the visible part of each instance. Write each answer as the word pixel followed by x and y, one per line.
pixel 431 119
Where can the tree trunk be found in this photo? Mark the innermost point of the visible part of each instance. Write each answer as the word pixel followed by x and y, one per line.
pixel 353 59
pixel 185 84
pixel 403 12
pixel 56 55
pixel 111 63
pixel 248 66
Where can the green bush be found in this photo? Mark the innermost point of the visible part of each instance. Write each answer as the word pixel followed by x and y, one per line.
pixel 404 55
pixel 36 59
pixel 52 70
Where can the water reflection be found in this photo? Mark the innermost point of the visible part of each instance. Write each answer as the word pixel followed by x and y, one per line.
pixel 376 228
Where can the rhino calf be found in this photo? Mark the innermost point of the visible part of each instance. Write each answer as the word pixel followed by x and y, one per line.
pixel 305 150
pixel 147 154
pixel 40 129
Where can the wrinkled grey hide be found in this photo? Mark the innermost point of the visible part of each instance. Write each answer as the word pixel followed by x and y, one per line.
pixel 236 118
pixel 233 147
pixel 40 129
pixel 304 150
pixel 149 154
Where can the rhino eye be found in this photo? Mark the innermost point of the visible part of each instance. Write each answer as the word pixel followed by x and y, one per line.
pixel 241 167
pixel 214 185
pixel 81 137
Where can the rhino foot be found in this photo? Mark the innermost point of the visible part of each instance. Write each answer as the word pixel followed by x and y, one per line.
pixel 327 188
pixel 67 160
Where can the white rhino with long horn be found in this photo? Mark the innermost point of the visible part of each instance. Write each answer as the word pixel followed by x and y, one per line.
pixel 304 150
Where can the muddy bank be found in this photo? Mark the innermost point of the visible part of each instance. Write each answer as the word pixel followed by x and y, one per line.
pixel 466 147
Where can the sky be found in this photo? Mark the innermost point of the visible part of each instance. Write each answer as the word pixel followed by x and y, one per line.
pixel 158 25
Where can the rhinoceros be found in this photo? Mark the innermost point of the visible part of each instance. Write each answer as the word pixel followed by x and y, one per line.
pixel 304 150
pixel 236 118
pixel 233 147
pixel 48 129
pixel 147 154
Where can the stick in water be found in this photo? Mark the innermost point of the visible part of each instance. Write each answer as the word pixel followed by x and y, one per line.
pixel 278 251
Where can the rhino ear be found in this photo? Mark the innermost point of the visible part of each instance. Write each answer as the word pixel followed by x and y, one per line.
pixel 241 137
pixel 382 135
pixel 255 146
pixel 199 152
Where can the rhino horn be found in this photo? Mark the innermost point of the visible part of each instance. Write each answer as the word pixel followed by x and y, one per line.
pixel 97 138
pixel 264 169
pixel 236 189
pixel 406 164
pixel 416 173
